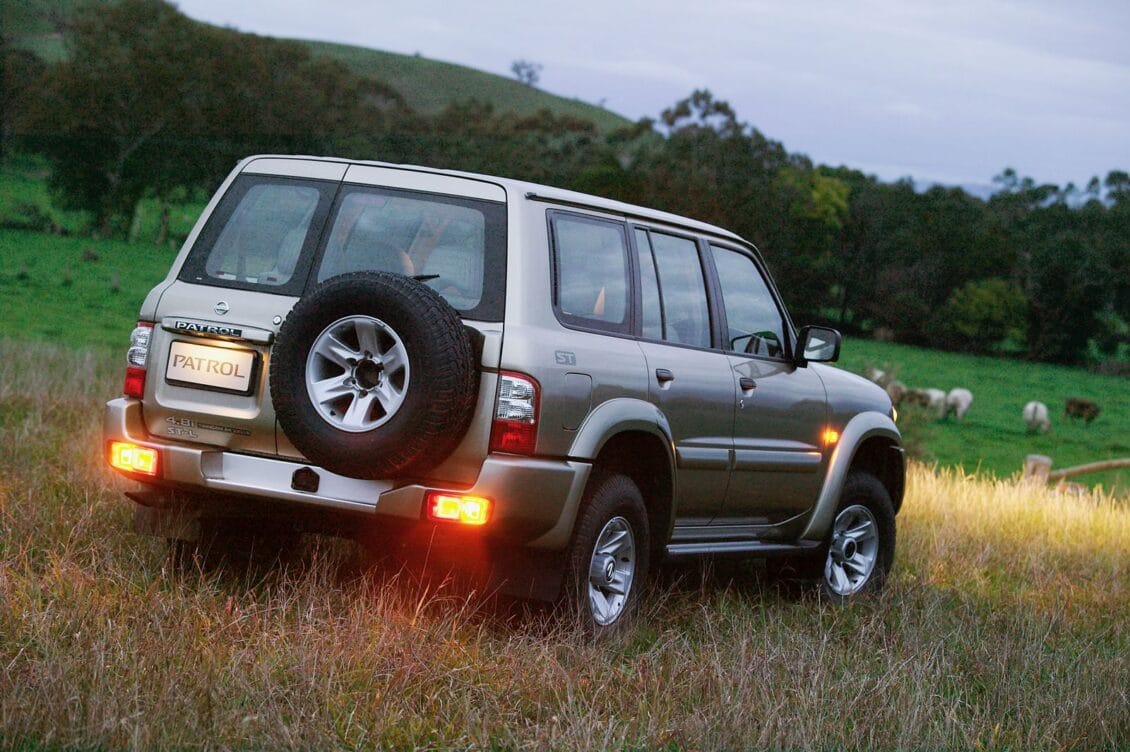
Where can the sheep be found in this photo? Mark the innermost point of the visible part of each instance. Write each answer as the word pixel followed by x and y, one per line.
pixel 896 390
pixel 1081 408
pixel 1036 417
pixel 936 401
pixel 958 402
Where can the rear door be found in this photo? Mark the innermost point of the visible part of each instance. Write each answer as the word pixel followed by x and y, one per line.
pixel 689 381
pixel 210 345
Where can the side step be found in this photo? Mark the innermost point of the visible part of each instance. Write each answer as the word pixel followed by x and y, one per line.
pixel 738 548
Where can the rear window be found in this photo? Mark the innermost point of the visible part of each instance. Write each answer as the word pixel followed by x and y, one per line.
pixel 261 235
pixel 284 236
pixel 447 243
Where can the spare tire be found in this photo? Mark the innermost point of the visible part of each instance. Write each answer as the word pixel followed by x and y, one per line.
pixel 372 375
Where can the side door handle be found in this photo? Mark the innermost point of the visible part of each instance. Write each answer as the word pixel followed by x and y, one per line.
pixel 747 384
pixel 663 376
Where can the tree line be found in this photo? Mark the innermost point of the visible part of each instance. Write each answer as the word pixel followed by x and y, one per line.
pixel 150 104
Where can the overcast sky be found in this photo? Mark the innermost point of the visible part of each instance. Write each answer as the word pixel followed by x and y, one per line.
pixel 951 91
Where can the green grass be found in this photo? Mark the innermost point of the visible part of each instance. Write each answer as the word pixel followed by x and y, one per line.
pixel 1005 625
pixel 431 85
pixel 993 439
pixel 48 291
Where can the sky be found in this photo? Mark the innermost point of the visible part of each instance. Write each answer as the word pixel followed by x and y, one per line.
pixel 948 91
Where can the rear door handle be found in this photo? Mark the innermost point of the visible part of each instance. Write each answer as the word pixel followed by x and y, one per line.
pixel 747 384
pixel 663 376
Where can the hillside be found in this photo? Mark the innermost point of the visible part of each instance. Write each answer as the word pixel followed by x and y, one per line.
pixel 427 85
pixel 430 85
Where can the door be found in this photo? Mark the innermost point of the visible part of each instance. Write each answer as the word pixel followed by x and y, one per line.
pixel 689 381
pixel 780 410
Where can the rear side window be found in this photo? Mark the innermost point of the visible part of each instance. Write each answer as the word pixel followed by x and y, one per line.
pixel 591 272
pixel 678 310
pixel 261 235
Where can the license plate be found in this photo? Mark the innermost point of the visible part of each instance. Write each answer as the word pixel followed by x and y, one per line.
pixel 219 368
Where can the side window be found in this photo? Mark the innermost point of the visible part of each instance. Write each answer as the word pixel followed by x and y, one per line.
pixel 591 264
pixel 753 320
pixel 684 316
pixel 649 288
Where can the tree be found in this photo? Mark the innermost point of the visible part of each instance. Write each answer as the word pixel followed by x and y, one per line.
pixel 526 71
pixel 21 74
pixel 149 102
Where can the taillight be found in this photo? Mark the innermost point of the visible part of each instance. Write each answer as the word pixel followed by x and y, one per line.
pixel 470 510
pixel 515 426
pixel 136 359
pixel 133 458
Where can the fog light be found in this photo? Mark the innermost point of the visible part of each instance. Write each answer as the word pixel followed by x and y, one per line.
pixel 469 510
pixel 132 458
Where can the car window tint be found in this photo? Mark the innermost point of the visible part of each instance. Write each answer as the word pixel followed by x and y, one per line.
pixel 682 288
pixel 264 235
pixel 649 288
pixel 753 321
pixel 592 271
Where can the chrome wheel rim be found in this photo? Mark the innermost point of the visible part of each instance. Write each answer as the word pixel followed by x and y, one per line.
pixel 357 373
pixel 612 569
pixel 853 552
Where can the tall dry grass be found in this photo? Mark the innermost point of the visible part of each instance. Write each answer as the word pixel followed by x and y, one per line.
pixel 1005 626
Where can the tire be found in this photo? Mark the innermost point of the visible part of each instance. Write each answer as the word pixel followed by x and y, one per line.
pixel 608 560
pixel 856 558
pixel 373 375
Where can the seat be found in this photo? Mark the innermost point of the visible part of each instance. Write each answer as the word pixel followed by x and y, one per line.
pixel 456 273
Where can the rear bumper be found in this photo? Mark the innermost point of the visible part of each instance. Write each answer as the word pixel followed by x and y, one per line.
pixel 535 500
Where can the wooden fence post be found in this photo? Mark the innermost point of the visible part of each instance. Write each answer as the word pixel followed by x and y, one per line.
pixel 1037 468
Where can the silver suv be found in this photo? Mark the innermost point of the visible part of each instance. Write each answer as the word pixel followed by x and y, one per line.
pixel 548 389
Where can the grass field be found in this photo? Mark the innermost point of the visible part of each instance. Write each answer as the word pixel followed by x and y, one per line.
pixel 431 85
pixel 992 438
pixel 1006 625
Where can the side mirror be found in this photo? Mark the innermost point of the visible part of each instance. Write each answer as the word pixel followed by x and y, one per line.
pixel 817 344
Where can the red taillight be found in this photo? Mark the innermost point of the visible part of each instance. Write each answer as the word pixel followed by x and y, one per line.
pixel 136 360
pixel 515 426
pixel 135 382
pixel 470 510
pixel 132 458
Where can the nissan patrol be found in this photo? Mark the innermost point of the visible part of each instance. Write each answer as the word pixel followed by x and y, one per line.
pixel 559 388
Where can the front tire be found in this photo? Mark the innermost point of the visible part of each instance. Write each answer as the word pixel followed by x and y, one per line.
pixel 608 562
pixel 857 556
pixel 861 545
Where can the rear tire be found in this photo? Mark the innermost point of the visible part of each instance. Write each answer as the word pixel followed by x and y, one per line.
pixel 608 561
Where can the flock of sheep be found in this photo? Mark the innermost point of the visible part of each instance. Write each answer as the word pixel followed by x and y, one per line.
pixel 957 401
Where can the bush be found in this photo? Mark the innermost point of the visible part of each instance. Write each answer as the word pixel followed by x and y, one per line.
pixel 979 315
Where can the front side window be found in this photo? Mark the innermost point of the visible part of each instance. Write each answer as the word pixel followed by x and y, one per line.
pixel 591 265
pixel 753 321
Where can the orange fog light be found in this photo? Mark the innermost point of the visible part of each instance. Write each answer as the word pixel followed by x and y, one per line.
pixel 470 510
pixel 830 437
pixel 133 458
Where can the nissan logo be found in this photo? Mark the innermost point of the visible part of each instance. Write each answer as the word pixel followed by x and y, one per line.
pixel 221 308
